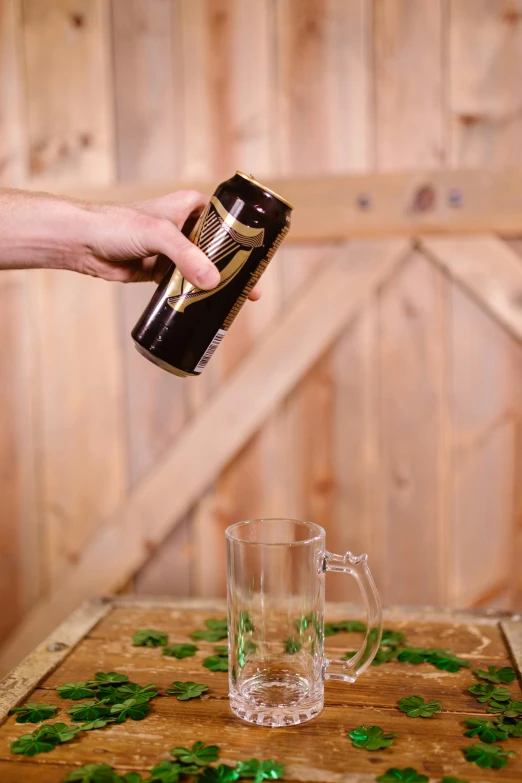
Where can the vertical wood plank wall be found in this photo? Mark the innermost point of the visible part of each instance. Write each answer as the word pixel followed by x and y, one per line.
pixel 404 439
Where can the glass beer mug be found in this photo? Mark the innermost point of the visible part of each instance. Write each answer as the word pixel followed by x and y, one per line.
pixel 275 587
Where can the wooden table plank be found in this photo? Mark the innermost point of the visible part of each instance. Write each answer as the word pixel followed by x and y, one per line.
pixel 315 751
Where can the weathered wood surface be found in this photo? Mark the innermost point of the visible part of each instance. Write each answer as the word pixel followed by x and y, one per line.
pixel 474 201
pixel 319 750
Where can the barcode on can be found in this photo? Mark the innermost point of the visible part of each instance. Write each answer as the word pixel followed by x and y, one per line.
pixel 210 351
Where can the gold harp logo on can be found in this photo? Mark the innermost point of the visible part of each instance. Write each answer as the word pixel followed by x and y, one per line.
pixel 227 242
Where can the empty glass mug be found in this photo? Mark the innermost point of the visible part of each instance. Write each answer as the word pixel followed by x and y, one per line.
pixel 275 585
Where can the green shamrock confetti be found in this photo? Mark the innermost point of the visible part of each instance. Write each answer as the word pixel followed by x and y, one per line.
pixel 110 695
pixel 131 777
pixel 245 623
pixel 513 729
pixel 149 638
pixel 371 738
pixel 447 779
pixel 44 739
pixel 131 690
pixel 97 723
pixel 88 710
pixel 484 692
pixel 92 773
pixel 486 730
pixel 75 691
pixel 180 650
pixel 487 756
pixel 329 629
pixel 303 622
pixel 260 770
pixel 292 645
pixel 504 675
pixel 200 754
pixel 219 661
pixel 187 690
pixel 509 709
pixel 416 707
pixel 406 775
pixel 413 655
pixel 349 626
pixel 165 772
pixel 107 678
pixel 136 709
pixel 245 648
pixel 219 774
pixel 392 638
pixel 446 661
pixel 33 712
pixel 216 630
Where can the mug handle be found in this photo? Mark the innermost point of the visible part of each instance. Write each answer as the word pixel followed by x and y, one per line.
pixel 349 670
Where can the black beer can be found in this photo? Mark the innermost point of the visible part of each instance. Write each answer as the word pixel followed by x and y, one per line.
pixel 240 230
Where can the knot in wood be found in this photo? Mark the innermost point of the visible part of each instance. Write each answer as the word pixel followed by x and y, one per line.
pixel 424 199
pixel 57 646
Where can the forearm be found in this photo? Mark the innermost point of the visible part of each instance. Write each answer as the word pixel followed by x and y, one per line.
pixel 40 230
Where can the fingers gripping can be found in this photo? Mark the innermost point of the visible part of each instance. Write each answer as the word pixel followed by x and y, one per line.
pixel 240 230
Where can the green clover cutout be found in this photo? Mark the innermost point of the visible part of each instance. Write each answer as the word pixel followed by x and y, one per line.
pixel 88 710
pixel 292 645
pixel 44 739
pixel 110 695
pixel 303 622
pixel 413 655
pixel 485 691
pixel 508 709
pixel 180 650
pixel 513 729
pixel 219 774
pixel 97 723
pixel 165 772
pixel 148 637
pixel 383 655
pixel 416 707
pixel 75 691
pixel 219 661
pixel 487 756
pixel 33 712
pixel 93 773
pixel 392 638
pixel 446 661
pixel 450 779
pixel 371 738
pixel 131 690
pixel 504 675
pixel 107 678
pixel 187 690
pixel 135 709
pixel 216 630
pixel 260 770
pixel 486 730
pixel 200 754
pixel 406 775
pixel 245 623
pixel 349 626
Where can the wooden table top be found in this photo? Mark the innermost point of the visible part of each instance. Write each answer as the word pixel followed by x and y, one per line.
pixel 98 637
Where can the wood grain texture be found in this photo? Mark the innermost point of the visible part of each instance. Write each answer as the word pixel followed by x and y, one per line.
pixel 276 365
pixel 324 108
pixel 485 55
pixel 413 343
pixel 319 750
pixel 68 88
pixel 148 89
pixel 409 83
pixel 13 148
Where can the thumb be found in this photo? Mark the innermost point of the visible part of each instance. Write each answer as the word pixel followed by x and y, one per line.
pixel 160 236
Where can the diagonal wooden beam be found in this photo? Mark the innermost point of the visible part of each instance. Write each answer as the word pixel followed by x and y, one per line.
pixel 486 268
pixel 166 493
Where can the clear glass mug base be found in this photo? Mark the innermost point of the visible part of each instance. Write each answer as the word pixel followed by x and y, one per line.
pixel 282 701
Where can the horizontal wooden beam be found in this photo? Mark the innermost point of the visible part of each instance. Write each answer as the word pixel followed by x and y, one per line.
pixel 395 204
pixel 277 363
pixel 488 269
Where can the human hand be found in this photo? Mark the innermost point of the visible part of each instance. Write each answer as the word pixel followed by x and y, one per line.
pixel 126 243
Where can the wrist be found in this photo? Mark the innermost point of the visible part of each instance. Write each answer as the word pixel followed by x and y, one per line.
pixel 41 231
